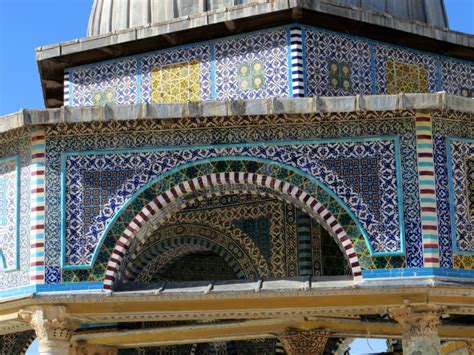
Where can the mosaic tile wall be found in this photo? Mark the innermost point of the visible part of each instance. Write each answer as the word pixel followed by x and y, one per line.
pixel 283 62
pixel 461 183
pixel 81 238
pixel 9 212
pixel 453 141
pixel 372 157
pixel 14 208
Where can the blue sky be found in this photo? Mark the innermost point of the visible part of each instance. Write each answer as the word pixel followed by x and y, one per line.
pixel 28 24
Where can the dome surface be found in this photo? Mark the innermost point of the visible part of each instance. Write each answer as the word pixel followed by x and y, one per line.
pixel 115 15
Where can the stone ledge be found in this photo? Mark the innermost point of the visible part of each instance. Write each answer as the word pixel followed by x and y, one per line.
pixel 281 106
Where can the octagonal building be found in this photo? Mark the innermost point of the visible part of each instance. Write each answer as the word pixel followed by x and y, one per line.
pixel 243 177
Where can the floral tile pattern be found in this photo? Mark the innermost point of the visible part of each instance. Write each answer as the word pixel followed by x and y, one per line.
pixel 462 190
pixel 337 65
pixel 107 83
pixel 9 211
pixel 15 215
pixel 110 171
pixel 252 67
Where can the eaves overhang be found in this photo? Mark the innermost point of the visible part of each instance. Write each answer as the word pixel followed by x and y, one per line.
pixel 252 16
pixel 263 107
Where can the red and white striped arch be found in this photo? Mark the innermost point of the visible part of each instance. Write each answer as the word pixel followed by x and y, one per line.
pixel 149 213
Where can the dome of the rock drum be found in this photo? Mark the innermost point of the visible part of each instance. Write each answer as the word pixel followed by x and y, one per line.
pixel 115 15
pixel 243 177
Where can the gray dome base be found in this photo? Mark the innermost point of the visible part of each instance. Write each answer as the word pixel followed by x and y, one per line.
pixel 115 15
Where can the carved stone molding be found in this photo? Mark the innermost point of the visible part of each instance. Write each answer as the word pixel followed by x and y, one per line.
pixel 304 342
pixel 52 327
pixel 418 320
pixel 81 348
pixel 470 347
pixel 420 327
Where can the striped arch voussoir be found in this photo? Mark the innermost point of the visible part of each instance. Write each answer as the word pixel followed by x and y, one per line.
pixel 170 196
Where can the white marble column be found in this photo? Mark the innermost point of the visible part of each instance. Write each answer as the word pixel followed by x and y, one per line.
pixel 53 328
pixel 304 342
pixel 420 328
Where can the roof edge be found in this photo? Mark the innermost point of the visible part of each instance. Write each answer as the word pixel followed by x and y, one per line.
pixel 262 107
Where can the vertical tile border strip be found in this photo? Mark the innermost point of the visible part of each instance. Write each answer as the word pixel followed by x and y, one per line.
pixel 67 88
pixel 297 65
pixel 305 253
pixel 429 217
pixel 37 215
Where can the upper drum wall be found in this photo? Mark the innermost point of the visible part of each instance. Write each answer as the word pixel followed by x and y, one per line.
pixel 114 15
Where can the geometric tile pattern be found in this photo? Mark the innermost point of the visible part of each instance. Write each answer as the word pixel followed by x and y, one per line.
pixel 16 343
pixel 446 125
pixel 9 213
pixel 351 59
pixel 81 239
pixel 456 75
pixel 263 57
pixel 181 176
pixel 145 134
pixel 176 75
pixel 67 88
pixel 160 203
pixel 251 75
pixel 290 61
pixel 407 78
pixel 401 70
pixel 15 233
pixel 3 201
pixel 37 209
pixel 340 75
pixel 111 83
pixel 429 221
pixel 363 176
pixel 470 184
pixel 176 83
pixel 297 62
pixel 461 155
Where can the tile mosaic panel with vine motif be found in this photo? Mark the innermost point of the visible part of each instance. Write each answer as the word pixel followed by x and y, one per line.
pixel 264 59
pixel 461 155
pixel 81 239
pixel 145 134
